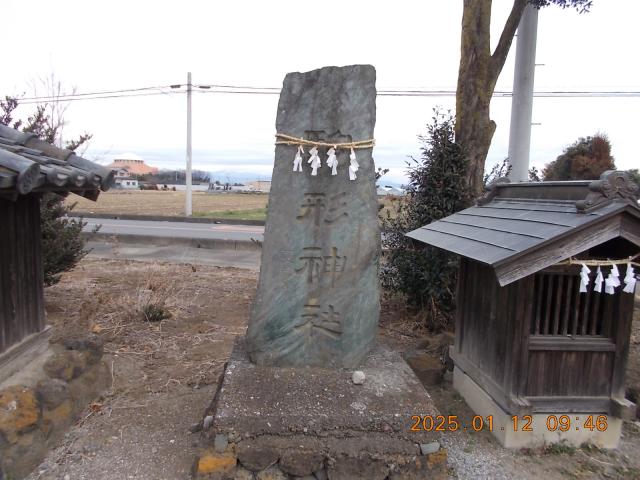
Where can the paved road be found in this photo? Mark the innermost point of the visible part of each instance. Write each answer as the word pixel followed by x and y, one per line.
pixel 176 229
pixel 218 257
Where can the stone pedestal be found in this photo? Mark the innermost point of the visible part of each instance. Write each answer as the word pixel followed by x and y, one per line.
pixel 284 422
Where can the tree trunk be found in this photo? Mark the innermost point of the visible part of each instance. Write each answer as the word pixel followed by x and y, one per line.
pixel 477 77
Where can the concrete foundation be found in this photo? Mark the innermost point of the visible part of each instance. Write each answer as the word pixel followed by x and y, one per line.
pixel 313 421
pixel 544 429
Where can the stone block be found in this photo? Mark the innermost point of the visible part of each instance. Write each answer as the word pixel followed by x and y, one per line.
pixel 255 456
pixel 432 466
pixel 349 468
pixel 271 473
pixel 220 443
pixel 90 343
pixel 242 473
pixel 58 418
pixel 215 464
pixel 301 462
pixel 19 412
pixel 52 392
pixel 67 365
pixel 429 369
pixel 316 421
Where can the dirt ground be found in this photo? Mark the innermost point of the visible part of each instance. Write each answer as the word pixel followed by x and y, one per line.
pixel 152 202
pixel 165 374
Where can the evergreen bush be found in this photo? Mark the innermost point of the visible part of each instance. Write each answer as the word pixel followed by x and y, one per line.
pixel 426 275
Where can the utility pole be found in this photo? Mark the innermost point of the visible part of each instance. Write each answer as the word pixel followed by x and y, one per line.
pixel 522 100
pixel 188 205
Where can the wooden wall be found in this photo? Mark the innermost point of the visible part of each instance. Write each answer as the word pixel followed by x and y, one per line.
pixel 538 343
pixel 21 279
pixel 481 331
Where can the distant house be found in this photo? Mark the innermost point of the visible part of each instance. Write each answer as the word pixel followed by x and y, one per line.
pixel 30 167
pixel 126 182
pixel 133 163
pixel 259 186
pixel 123 179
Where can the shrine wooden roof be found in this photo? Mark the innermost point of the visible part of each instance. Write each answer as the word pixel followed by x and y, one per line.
pixel 522 228
pixel 28 164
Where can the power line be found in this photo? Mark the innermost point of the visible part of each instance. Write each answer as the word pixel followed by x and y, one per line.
pixel 74 99
pixel 255 90
pixel 126 90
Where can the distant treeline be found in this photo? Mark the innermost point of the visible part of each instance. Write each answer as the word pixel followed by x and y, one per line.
pixel 175 177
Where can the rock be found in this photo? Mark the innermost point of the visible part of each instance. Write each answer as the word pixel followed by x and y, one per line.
pixel 57 419
pixel 52 392
pixel 195 427
pixel 432 466
pixel 427 448
pixel 207 422
pixel 427 368
pixel 214 463
pixel 91 343
pixel 19 412
pixel 271 473
pixel 243 474
pixel 349 468
pixel 67 365
pixel 256 457
pixel 358 377
pixel 317 301
pixel 154 450
pixel 220 443
pixel 300 462
pixel 321 475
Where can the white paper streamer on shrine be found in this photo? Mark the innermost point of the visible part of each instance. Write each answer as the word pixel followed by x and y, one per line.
pixel 353 165
pixel 612 281
pixel 597 283
pixel 629 280
pixel 332 161
pixel 584 278
pixel 314 160
pixel 297 161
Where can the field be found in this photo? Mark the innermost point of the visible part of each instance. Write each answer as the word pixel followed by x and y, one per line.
pixel 241 206
pixel 245 206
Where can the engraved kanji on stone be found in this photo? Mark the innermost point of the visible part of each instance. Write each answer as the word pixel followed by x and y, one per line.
pixel 334 264
pixel 316 264
pixel 319 208
pixel 337 207
pixel 315 318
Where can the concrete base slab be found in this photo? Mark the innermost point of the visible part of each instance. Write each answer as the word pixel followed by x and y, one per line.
pixel 309 420
pixel 545 427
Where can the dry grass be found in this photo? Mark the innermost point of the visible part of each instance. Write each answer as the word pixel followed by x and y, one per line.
pixel 245 206
pixel 151 202
pixel 206 306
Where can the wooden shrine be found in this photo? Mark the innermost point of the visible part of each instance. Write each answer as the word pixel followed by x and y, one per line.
pixel 30 167
pixel 529 346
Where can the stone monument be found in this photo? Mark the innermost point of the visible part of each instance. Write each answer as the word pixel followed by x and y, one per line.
pixel 318 298
pixel 289 405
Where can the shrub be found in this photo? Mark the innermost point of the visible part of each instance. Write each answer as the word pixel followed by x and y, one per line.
pixel 425 275
pixel 585 159
pixel 62 243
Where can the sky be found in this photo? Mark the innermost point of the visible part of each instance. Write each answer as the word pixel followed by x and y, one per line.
pixel 414 44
